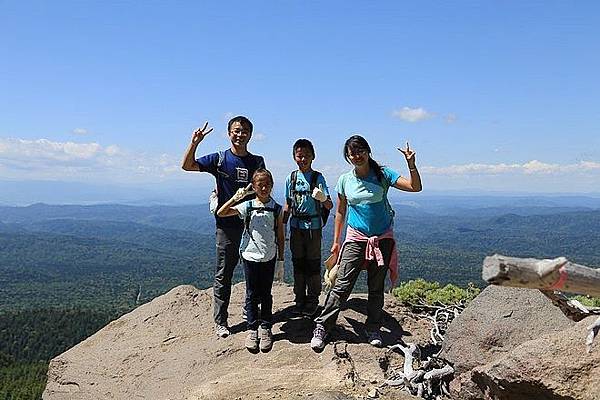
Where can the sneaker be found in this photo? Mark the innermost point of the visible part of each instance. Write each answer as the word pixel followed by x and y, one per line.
pixel 317 343
pixel 222 331
pixel 266 339
pixel 252 340
pixel 375 338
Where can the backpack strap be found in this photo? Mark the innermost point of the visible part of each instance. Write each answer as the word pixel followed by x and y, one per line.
pixel 220 161
pixel 247 219
pixel 386 186
pixel 276 210
pixel 293 180
pixel 294 192
pixel 313 184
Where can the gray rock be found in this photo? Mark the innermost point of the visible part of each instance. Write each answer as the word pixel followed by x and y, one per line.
pixel 498 320
pixel 555 366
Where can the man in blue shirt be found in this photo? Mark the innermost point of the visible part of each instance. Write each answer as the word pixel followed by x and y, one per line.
pixel 232 169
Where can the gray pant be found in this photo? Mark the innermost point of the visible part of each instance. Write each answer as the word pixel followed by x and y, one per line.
pixel 228 255
pixel 351 262
pixel 305 245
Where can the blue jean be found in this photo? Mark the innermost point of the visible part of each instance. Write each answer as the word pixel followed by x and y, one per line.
pixel 259 281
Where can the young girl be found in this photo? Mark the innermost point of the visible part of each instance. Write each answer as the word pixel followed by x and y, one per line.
pixel 362 198
pixel 262 244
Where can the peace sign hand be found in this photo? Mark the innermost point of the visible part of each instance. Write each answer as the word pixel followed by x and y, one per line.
pixel 242 193
pixel 200 133
pixel 408 154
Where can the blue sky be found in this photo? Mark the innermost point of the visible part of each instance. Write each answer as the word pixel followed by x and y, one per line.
pixel 493 96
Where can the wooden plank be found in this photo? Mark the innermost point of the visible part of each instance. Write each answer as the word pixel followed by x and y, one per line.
pixel 556 274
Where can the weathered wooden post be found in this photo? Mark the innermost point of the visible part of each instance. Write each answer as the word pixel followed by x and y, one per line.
pixel 557 274
pixel 549 275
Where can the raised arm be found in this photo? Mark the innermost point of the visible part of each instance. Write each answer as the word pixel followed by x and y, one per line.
pixel 189 158
pixel 226 210
pixel 414 183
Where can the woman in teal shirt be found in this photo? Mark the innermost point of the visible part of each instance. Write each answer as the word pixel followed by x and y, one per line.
pixel 363 205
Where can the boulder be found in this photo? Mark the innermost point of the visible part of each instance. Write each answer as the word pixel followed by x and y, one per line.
pixel 496 321
pixel 553 366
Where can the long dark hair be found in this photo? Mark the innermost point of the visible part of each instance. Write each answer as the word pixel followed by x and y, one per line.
pixel 358 143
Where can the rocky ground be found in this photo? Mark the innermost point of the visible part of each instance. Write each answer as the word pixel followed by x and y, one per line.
pixel 167 349
pixel 507 344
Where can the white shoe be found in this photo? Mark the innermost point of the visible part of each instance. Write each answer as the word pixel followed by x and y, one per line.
pixel 375 338
pixel 222 331
pixel 317 343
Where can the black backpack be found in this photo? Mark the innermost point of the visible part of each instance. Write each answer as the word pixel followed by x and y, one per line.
pixel 321 211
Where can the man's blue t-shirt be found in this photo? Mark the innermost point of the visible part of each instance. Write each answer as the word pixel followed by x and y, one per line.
pixel 368 209
pixel 235 172
pixel 306 205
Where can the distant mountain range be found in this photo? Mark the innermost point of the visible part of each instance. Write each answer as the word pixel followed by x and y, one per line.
pixel 113 254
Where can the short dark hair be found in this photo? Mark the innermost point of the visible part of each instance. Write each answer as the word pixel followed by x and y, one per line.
pixel 303 144
pixel 245 122
pixel 263 171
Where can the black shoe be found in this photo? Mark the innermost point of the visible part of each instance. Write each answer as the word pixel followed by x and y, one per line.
pixel 310 310
pixel 297 310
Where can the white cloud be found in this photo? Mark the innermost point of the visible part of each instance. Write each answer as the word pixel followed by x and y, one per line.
pixel 112 150
pixel 589 165
pixel 467 169
pixel 451 118
pixel 46 159
pixel 80 131
pixel 412 114
pixel 538 167
pixel 259 136
pixel 46 149
pixel 533 167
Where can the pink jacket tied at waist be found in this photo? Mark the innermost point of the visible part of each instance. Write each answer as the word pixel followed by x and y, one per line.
pixel 373 252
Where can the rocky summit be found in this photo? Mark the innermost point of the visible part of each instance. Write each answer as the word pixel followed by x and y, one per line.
pixel 167 349
pixel 507 344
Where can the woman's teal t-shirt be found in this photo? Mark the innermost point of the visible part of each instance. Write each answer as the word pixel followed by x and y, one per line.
pixel 368 208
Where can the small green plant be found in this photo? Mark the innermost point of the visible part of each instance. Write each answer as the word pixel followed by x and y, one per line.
pixel 420 291
pixel 588 301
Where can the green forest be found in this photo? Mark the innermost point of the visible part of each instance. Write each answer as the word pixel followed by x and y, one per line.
pixel 66 271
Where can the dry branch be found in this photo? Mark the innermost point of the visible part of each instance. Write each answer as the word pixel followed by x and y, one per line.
pixel 594 329
pixel 557 274
pixel 573 309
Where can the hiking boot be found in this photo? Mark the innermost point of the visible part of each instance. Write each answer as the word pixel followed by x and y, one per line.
pixel 266 339
pixel 317 343
pixel 374 338
pixel 222 331
pixel 252 341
